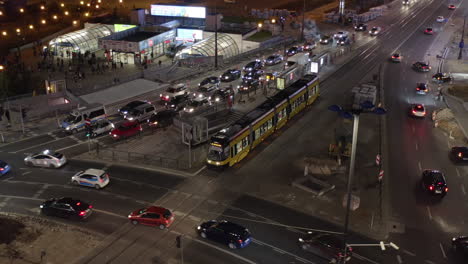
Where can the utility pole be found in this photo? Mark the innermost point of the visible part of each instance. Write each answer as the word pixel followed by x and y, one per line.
pixel 216 38
pixel 341 9
pixel 462 43
pixel 303 20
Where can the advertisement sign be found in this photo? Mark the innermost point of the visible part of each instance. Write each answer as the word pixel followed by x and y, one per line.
pixel 189 34
pixel 313 67
pixel 178 11
pixel 122 27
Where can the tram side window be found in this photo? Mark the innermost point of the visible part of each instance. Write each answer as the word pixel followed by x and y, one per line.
pixel 241 145
pixel 281 114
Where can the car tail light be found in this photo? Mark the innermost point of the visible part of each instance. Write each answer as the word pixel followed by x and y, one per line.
pixel 460 155
pixel 240 241
pixel 78 203
pixel 431 188
pixel 417 88
pixel 82 213
pixel 2 169
pixel 393 57
pixel 350 249
pixel 90 206
pixel 423 113
pixel 446 189
pixel 101 179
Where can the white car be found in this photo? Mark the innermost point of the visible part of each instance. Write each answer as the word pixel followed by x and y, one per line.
pixel 375 31
pixel 196 104
pixel 46 158
pixel 340 34
pixel 91 178
pixel 174 91
pixel 440 19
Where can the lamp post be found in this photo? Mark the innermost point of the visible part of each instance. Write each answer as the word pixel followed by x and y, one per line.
pixel 462 43
pixel 303 19
pixel 365 107
pixel 216 38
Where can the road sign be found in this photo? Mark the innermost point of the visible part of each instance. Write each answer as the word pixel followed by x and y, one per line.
pixel 381 173
pixel 377 160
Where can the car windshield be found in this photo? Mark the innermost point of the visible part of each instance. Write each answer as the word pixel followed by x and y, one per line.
pixel 419 108
pixel 374 29
pixel 271 57
pixel 70 118
pixel 171 90
pixel 429 29
pixel 57 155
pixel 203 89
pixel 134 104
pixel 124 128
pixel 103 176
pixel 167 214
pixel 194 103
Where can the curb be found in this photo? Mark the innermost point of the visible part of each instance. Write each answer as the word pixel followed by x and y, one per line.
pixel 149 168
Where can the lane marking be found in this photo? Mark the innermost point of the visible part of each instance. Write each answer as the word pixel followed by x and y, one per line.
pixel 419 165
pixel 110 213
pixel 463 189
pixel 194 218
pixel 4 202
pixel 38 145
pixel 372 221
pixel 448 144
pixel 416 145
pixel 40 191
pixel 399 259
pixel 458 172
pixel 409 252
pixel 26 172
pixel 279 250
pixel 430 262
pixel 443 251
pixel 429 212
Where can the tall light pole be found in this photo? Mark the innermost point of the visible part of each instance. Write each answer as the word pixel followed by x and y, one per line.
pixel 303 19
pixel 341 9
pixel 462 43
pixel 365 107
pixel 216 38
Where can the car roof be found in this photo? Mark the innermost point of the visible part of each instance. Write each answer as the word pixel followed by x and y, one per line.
pixel 95 172
pixel 129 123
pixel 156 209
pixel 230 226
pixel 462 149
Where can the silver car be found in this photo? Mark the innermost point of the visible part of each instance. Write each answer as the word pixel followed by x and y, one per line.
pixel 101 127
pixel 46 158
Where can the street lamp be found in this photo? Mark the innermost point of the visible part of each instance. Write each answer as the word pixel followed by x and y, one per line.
pixel 4 33
pixel 260 25
pixel 21 10
pixel 66 13
pixel 31 26
pixel 43 21
pixel 75 22
pixel 365 107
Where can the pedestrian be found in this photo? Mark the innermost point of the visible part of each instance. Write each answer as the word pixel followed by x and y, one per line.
pixel 7 115
pixel 159 63
pixel 121 64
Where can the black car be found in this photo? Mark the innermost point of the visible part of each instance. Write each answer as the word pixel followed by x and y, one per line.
pixel 248 85
pixel 253 75
pixel 66 207
pixel 209 82
pixel 422 88
pixel 360 27
pixel 225 232
pixel 274 59
pixel 253 66
pixel 459 154
pixel 433 181
pixel 460 245
pixel 325 40
pixel 130 106
pixel 326 246
pixel 177 103
pixel 421 66
pixel 442 77
pixel 162 119
pixel 292 51
pixel 230 75
pixel 343 41
pixel 221 95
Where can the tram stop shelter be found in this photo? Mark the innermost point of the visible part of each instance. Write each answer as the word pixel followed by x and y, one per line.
pixel 82 40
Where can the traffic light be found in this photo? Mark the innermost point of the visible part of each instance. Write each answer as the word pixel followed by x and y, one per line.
pixel 89 131
pixel 178 242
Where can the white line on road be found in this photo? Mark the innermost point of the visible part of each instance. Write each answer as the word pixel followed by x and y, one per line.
pixel 26 172
pixel 463 189
pixel 443 251
pixel 416 144
pixel 399 259
pixel 430 262
pixel 277 249
pixel 301 260
pixel 408 252
pixel 429 212
pixel 40 191
pixel 4 202
pixel 458 172
pixel 372 221
pixel 419 166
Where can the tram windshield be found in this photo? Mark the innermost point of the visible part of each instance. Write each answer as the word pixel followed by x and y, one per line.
pixel 218 154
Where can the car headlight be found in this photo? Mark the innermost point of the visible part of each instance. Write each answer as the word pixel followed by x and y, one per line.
pixel 67 128
pixel 191 110
pixel 41 206
pixel 370 32
pixel 160 95
pixel 217 99
pixel 301 240
pixel 130 118
pixel 129 216
pixel 172 105
pixel 198 227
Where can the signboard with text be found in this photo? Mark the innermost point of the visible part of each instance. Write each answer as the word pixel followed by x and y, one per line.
pixel 178 11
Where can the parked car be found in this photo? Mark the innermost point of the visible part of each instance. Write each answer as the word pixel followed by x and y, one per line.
pixel 253 75
pixel 126 129
pixel 195 104
pixel 94 178
pixel 253 66
pixel 174 91
pixel 130 106
pixel 460 245
pixel 66 207
pixel 4 167
pixel 46 158
pixel 273 59
pixel 102 126
pixel 221 95
pixel 162 119
pixel 248 85
pixel 230 75
pixel 442 77
pixel 141 113
pixel 459 154
pixel 152 216
pixel 177 103
pixel 325 246
pixel 325 40
pixel 360 27
pixel 421 66
pixel 433 182
pixel 225 232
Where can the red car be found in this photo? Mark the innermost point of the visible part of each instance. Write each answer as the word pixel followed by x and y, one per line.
pixel 451 7
pixel 428 31
pixel 126 129
pixel 152 216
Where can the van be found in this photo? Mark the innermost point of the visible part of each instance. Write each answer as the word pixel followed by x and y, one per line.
pixel 140 113
pixel 75 121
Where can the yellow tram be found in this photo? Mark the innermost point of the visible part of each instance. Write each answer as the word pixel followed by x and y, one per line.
pixel 231 144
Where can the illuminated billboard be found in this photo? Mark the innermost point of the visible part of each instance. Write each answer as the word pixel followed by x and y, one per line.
pixel 122 27
pixel 178 11
pixel 189 34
